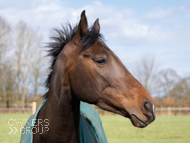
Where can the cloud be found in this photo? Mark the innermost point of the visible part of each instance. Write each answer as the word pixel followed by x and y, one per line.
pixel 123 28
pixel 123 25
pixel 160 13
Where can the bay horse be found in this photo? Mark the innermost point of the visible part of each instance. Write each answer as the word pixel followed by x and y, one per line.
pixel 84 69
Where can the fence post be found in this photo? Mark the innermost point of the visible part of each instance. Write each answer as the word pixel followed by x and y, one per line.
pixel 169 111
pixel 33 107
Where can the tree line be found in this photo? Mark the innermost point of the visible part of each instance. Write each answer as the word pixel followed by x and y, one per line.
pixel 20 63
pixel 165 85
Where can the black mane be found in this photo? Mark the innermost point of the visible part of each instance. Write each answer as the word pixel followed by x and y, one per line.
pixel 63 37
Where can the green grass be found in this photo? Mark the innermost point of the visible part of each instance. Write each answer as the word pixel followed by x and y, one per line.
pixel 5 137
pixel 173 129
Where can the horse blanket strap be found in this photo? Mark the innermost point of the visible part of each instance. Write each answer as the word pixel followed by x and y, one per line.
pixel 90 130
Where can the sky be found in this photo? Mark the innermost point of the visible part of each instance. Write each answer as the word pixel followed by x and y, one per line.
pixel 132 29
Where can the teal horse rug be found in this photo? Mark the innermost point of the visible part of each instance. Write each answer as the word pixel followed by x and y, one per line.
pixel 90 130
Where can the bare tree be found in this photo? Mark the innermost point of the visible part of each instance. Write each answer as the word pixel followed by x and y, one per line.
pixel 9 85
pixel 146 72
pixel 181 89
pixel 5 38
pixel 20 69
pixel 26 42
pixel 168 79
pixel 37 71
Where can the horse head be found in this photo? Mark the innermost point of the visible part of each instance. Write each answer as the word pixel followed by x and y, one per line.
pixel 97 76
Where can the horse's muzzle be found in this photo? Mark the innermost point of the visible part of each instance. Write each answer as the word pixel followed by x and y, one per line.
pixel 148 109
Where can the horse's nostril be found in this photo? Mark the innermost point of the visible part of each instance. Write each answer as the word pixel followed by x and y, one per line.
pixel 149 111
pixel 148 106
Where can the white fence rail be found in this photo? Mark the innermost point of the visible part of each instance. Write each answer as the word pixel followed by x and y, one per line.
pixel 19 110
pixel 173 111
pixel 174 108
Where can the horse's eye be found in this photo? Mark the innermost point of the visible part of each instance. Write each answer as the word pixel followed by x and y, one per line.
pixel 101 61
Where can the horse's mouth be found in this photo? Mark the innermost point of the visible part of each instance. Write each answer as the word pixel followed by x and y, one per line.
pixel 137 122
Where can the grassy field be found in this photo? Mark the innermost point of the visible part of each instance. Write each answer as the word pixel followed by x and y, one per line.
pixel 173 129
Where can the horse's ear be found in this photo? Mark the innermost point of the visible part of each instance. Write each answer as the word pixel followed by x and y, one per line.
pixel 96 26
pixel 82 28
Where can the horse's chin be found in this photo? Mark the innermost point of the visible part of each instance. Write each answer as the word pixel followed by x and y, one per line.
pixel 134 119
pixel 137 122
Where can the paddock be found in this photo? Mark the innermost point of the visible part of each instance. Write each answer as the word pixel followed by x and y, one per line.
pixel 165 129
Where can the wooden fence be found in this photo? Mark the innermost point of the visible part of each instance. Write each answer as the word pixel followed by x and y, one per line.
pixel 173 111
pixel 31 110
pixel 169 111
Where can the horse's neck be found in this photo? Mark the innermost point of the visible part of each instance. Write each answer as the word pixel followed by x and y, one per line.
pixel 62 110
